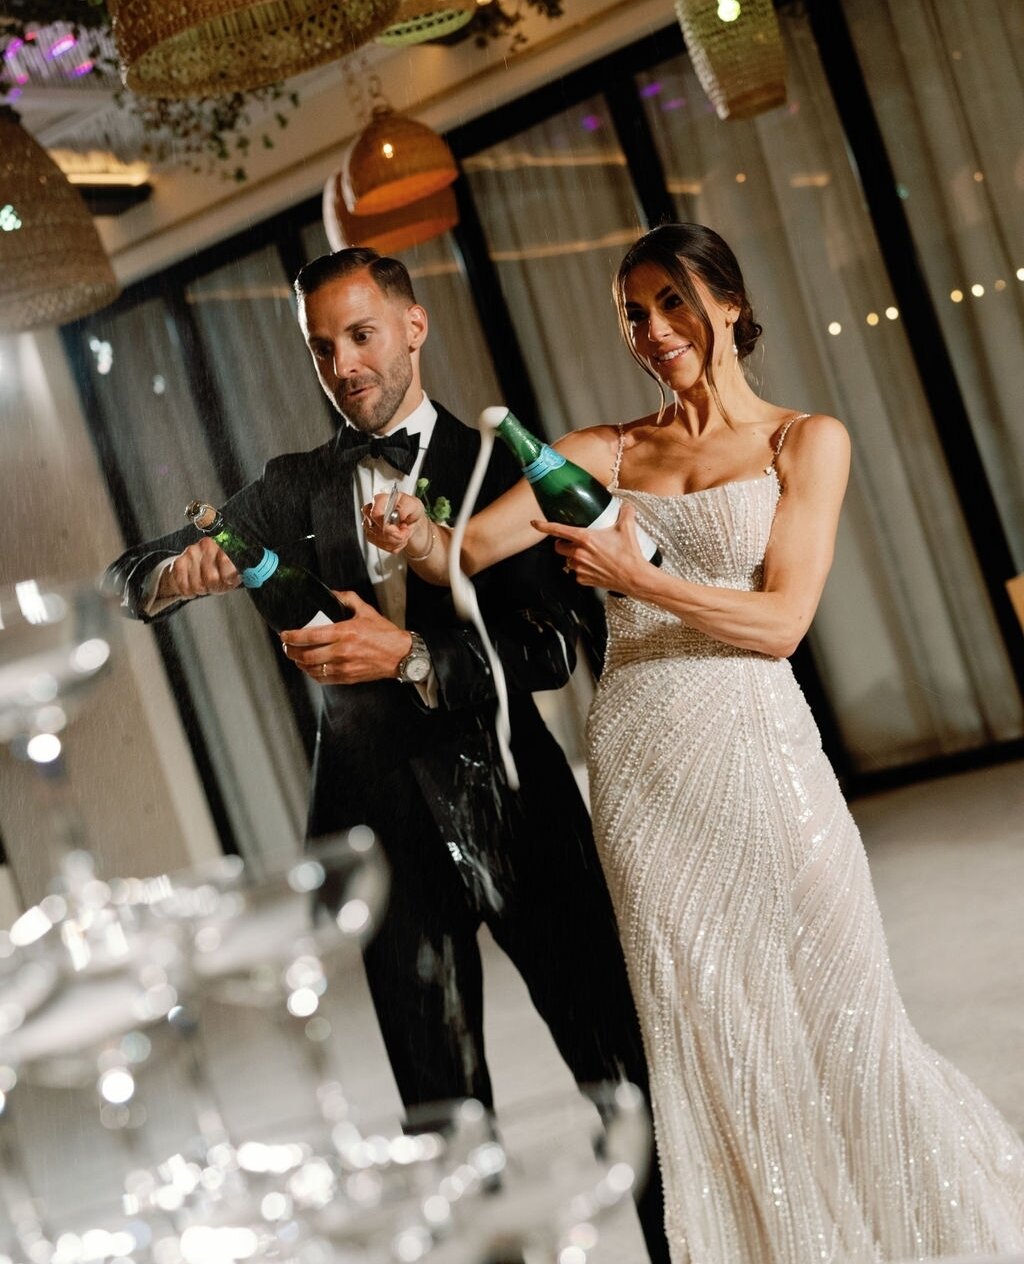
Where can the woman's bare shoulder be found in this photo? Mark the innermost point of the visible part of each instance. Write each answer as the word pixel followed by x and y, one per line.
pixel 814 435
pixel 815 447
pixel 594 448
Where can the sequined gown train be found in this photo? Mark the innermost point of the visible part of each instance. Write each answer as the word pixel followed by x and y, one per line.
pixel 799 1117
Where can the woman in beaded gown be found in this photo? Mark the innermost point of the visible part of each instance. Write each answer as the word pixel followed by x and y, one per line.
pixel 798 1115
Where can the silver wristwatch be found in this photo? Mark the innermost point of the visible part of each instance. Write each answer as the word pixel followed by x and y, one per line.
pixel 415 667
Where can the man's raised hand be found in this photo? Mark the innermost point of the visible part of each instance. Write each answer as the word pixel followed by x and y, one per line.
pixel 198 571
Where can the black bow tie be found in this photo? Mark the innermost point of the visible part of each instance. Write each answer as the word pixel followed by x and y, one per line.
pixel 399 448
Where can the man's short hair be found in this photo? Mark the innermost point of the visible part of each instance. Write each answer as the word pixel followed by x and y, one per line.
pixel 390 275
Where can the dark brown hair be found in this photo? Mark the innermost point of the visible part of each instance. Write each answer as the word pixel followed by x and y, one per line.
pixel 390 275
pixel 683 251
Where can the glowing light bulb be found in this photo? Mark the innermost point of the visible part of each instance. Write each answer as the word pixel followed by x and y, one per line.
pixel 728 10
pixel 387 149
pixel 835 328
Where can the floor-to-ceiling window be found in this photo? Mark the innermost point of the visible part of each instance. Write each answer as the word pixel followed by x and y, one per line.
pixel 198 377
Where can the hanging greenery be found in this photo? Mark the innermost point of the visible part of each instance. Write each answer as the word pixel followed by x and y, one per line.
pixel 494 20
pixel 212 134
pixel 204 134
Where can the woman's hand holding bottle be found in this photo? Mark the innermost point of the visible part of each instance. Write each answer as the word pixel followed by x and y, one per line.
pixel 609 557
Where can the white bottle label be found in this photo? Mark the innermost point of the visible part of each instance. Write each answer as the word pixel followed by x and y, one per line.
pixel 319 620
pixel 609 516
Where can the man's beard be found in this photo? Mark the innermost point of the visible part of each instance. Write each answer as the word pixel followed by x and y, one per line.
pixel 372 413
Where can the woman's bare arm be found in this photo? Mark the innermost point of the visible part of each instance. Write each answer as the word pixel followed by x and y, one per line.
pixel 813 469
pixel 503 528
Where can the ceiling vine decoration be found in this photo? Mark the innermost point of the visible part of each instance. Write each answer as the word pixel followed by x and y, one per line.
pixel 49 43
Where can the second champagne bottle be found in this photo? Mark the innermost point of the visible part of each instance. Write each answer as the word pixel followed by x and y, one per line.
pixel 286 595
pixel 565 491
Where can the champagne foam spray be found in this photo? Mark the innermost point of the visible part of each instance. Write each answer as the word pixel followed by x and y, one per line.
pixel 464 594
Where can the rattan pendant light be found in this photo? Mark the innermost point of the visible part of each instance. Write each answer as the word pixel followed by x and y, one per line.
pixel 421 20
pixel 392 232
pixel 52 266
pixel 736 50
pixel 197 48
pixel 394 162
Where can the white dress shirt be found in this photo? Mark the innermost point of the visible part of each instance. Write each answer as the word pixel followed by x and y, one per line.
pixel 375 475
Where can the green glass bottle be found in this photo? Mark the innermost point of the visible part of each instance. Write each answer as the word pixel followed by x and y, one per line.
pixel 565 491
pixel 286 596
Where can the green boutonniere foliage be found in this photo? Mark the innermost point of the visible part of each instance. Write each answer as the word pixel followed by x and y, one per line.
pixel 440 508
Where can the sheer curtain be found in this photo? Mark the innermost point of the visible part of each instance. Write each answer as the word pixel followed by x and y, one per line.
pixel 147 408
pixel 905 637
pixel 558 211
pixel 946 79
pixel 270 399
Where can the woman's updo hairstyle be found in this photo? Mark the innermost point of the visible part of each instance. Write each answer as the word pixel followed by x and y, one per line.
pixel 683 251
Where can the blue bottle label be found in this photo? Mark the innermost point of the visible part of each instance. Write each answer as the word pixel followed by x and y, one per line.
pixel 548 460
pixel 256 576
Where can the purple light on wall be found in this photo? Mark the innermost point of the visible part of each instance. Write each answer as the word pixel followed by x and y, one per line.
pixel 62 45
pixel 83 69
pixel 13 48
pixel 650 90
pixel 22 78
pixel 590 122
pixel 14 94
pixel 674 103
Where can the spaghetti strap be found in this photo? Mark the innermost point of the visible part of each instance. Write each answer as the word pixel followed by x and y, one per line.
pixel 782 439
pixel 613 485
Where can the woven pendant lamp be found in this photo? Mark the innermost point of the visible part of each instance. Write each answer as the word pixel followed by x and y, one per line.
pixel 420 20
pixel 391 232
pixel 52 266
pixel 394 162
pixel 199 48
pixel 740 62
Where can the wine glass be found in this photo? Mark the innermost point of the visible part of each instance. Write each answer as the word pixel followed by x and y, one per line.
pixel 56 640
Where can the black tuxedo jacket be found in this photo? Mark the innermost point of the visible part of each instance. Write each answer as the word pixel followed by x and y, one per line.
pixel 377 743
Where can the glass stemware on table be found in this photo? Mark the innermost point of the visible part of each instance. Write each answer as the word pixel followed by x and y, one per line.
pixel 104 979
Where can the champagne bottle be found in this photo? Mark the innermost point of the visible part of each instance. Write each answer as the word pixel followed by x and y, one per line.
pixel 286 596
pixel 565 491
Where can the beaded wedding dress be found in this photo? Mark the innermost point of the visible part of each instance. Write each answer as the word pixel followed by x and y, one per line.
pixel 798 1115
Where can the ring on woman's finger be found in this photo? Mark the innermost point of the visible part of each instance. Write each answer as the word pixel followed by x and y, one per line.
pixel 323 671
pixel 567 566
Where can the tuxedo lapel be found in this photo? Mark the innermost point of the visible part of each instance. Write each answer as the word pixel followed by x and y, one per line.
pixel 333 514
pixel 447 465
pixel 449 458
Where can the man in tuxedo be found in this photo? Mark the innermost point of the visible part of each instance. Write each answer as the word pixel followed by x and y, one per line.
pixel 406 740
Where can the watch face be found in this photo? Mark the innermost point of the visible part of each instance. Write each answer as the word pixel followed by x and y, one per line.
pixel 416 669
